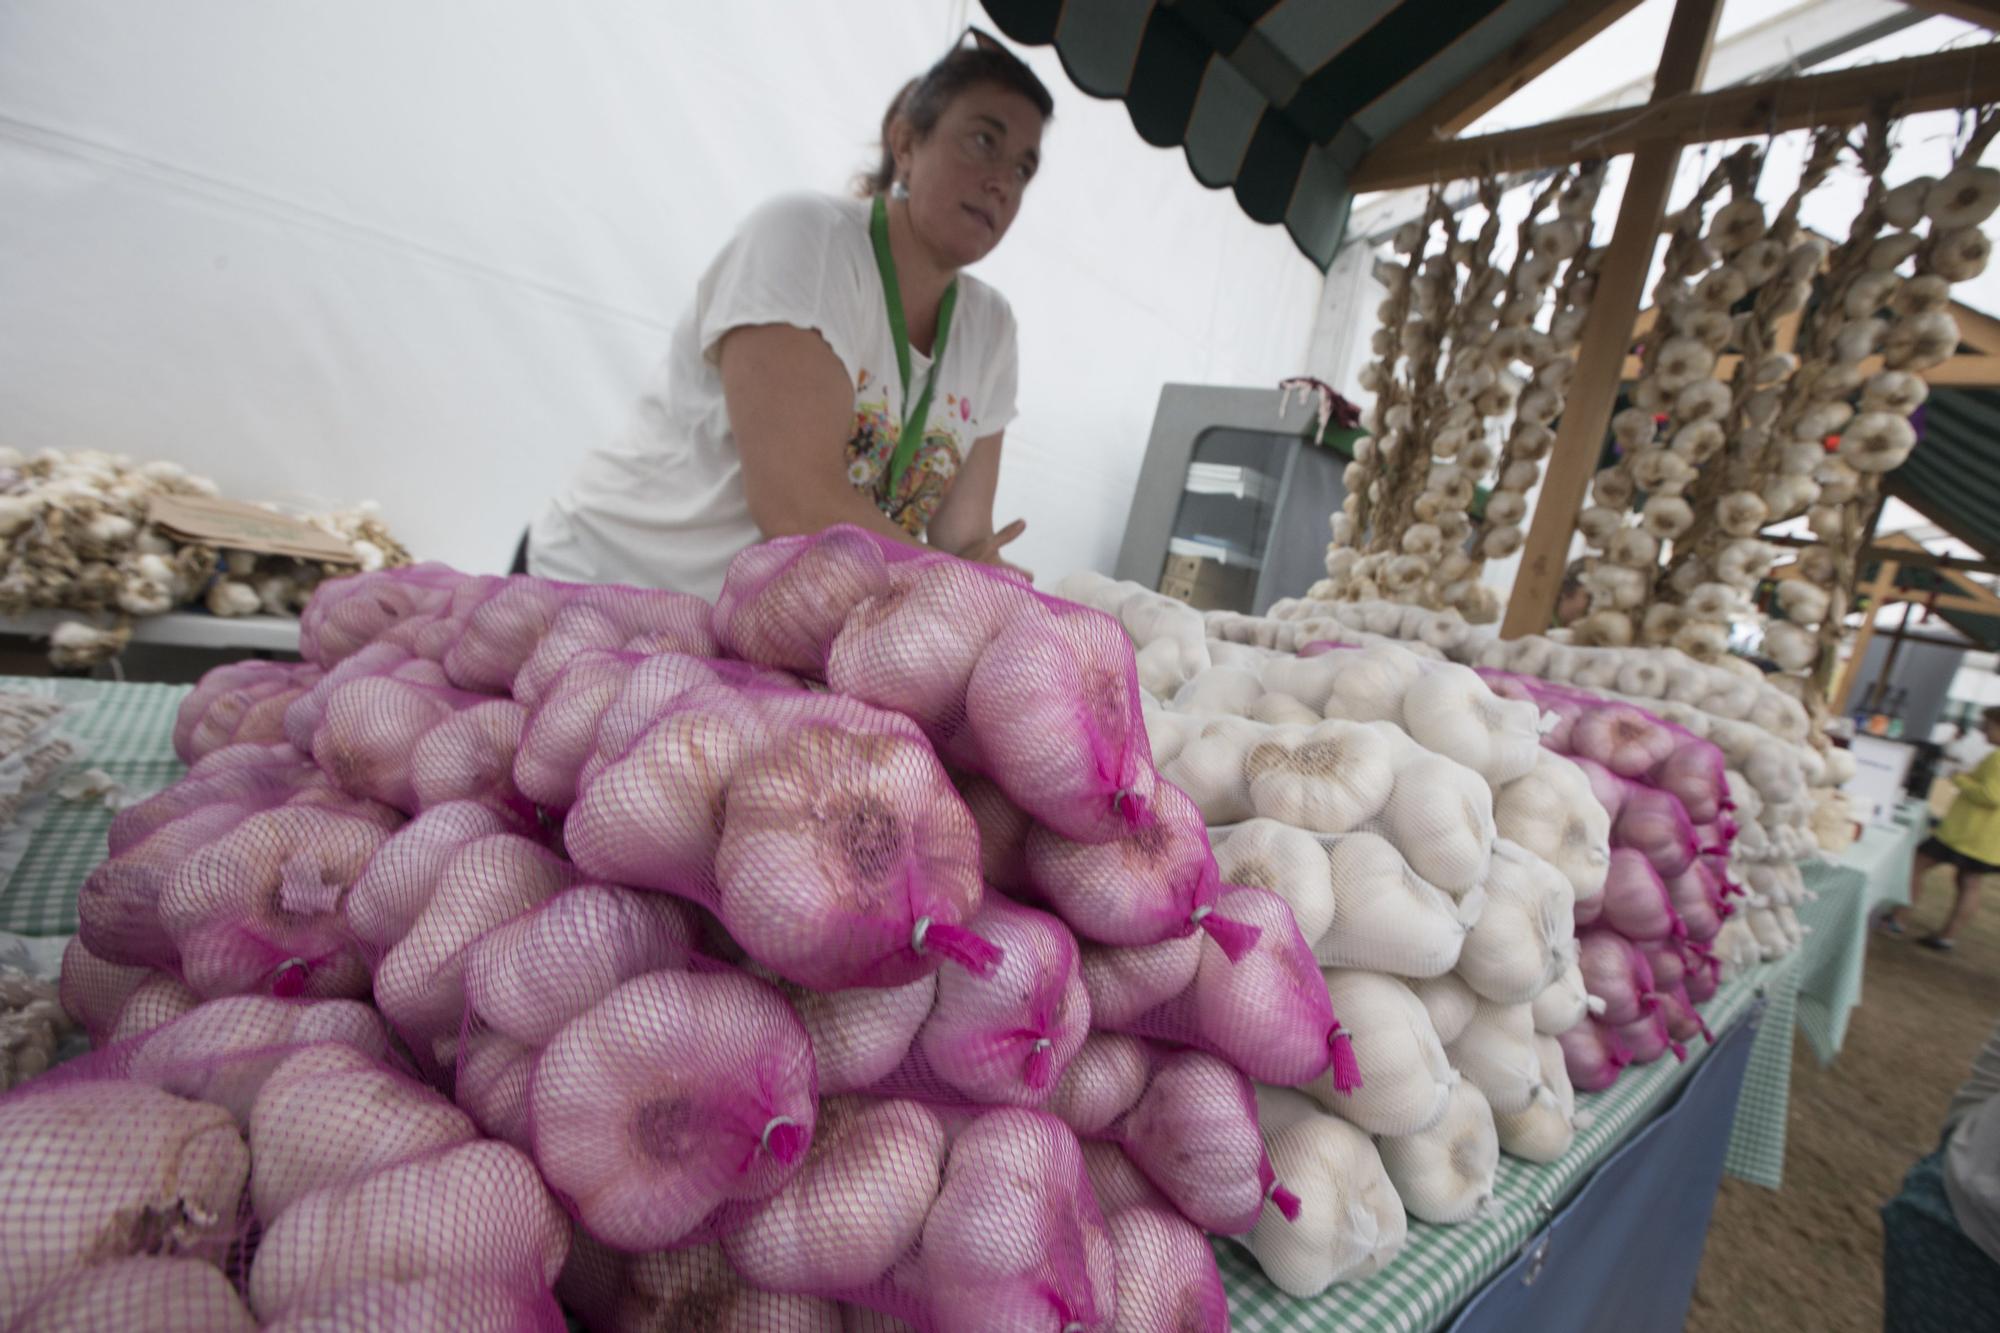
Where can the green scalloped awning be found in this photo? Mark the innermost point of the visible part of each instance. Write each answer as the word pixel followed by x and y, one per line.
pixel 1276 100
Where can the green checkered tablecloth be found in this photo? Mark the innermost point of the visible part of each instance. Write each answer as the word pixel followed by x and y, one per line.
pixel 1442 1267
pixel 1874 871
pixel 126 730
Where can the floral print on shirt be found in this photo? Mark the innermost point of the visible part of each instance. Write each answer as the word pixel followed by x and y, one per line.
pixel 912 503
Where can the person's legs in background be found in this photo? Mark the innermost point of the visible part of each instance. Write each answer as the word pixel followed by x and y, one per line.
pixel 1899 919
pixel 1962 910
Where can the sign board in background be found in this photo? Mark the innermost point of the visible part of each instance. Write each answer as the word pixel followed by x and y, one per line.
pixel 1881 767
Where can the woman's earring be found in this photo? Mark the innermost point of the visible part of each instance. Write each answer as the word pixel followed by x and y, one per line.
pixel 898 190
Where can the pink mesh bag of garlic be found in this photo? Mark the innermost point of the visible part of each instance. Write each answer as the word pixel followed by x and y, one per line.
pixel 1266 1012
pixel 592 711
pixel 264 1164
pixel 413 745
pixel 496 635
pixel 239 702
pixel 1186 1119
pixel 1626 740
pixel 1038 694
pixel 233 879
pixel 662 1093
pixel 451 892
pixel 822 833
pixel 951 1037
pixel 1152 883
pixel 948 1219
pixel 1168 1281
pixel 348 614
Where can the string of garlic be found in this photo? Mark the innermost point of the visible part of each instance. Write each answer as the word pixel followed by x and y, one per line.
pixel 1691 299
pixel 1878 437
pixel 1551 354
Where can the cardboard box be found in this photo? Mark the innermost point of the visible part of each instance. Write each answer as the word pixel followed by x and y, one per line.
pixel 1208 585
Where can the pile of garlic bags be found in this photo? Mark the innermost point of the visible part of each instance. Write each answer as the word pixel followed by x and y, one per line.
pixel 1785 775
pixel 1435 854
pixel 78 539
pixel 786 938
pixel 253 1163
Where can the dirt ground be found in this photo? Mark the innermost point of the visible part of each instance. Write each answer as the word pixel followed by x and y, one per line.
pixel 1810 1256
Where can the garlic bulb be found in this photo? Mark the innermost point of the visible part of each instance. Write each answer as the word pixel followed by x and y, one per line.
pixel 1741 513
pixel 1634 547
pixel 1287 861
pixel 1894 391
pixel 1497 1054
pixel 1668 516
pixel 1877 442
pixel 1351 1221
pixel 1925 294
pixel 1445 1174
pixel 1704 400
pixel 1921 341
pixel 1792 648
pixel 1803 602
pixel 1406 1079
pixel 1440 816
pixel 1388 918
pixel 1328 779
pixel 1904 205
pixel 1965 197
pixel 1736 225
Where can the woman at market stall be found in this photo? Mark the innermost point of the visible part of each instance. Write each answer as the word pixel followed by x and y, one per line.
pixel 1968 840
pixel 836 365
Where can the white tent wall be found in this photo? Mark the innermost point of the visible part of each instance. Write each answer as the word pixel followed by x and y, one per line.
pixel 425 252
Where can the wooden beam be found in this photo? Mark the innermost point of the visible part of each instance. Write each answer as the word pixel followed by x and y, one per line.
pixel 1606 333
pixel 1883 586
pixel 1977 330
pixel 1965 372
pixel 1509 72
pixel 1968 76
pixel 1912 556
pixel 1979 13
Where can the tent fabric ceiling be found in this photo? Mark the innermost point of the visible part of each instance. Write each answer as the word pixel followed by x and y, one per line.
pixel 1274 99
pixel 1953 476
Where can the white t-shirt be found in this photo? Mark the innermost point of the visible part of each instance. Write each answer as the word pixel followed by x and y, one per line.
pixel 663 506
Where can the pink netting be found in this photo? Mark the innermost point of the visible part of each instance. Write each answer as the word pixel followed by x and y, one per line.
pixel 413 745
pixel 821 832
pixel 496 635
pixel 1652 822
pixel 1594 1055
pixel 668 1108
pixel 261 1163
pixel 999 1040
pixel 593 710
pixel 234 876
pixel 1038 694
pixel 1616 972
pixel 1167 1278
pixel 1636 902
pixel 1267 1012
pixel 1625 739
pixel 1700 900
pixel 948 1220
pixel 1186 1119
pixel 240 702
pixel 399 881
pixel 484 882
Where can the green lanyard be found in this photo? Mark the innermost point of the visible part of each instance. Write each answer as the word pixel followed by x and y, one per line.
pixel 914 416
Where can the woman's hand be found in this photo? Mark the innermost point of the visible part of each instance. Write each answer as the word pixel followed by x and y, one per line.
pixel 986 550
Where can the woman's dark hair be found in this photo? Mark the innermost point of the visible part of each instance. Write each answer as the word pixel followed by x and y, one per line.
pixel 923 100
pixel 1990 714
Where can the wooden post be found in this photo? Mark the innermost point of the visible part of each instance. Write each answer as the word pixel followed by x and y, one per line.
pixel 1607 333
pixel 1882 587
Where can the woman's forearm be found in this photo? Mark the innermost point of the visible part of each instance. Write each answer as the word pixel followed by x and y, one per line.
pixel 798 510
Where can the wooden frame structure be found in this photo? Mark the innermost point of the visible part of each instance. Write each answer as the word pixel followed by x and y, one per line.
pixel 1678 115
pixel 1895 553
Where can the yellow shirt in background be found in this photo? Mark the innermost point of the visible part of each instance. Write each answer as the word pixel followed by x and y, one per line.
pixel 1972 825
